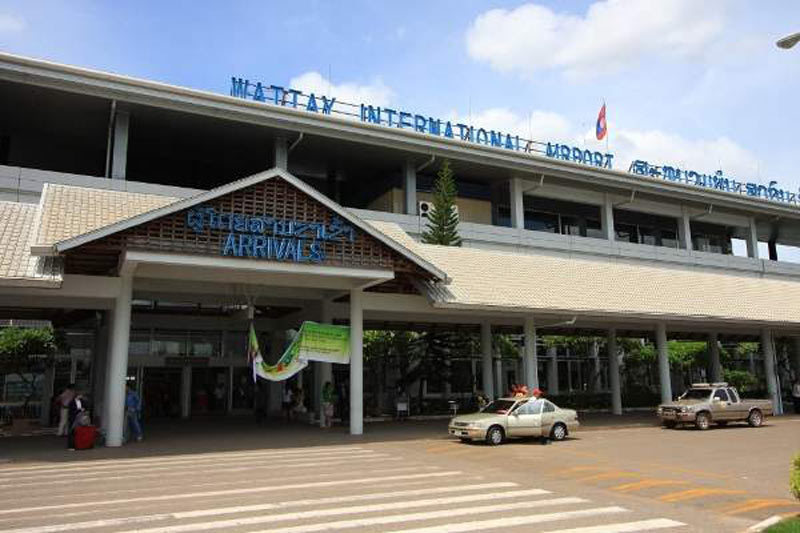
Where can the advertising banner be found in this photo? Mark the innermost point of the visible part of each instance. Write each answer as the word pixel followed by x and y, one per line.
pixel 314 342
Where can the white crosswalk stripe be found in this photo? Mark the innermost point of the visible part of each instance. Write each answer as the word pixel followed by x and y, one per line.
pixel 292 491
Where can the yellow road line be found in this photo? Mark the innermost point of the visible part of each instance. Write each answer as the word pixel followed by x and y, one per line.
pixel 646 484
pixel 758 504
pixel 690 494
pixel 614 474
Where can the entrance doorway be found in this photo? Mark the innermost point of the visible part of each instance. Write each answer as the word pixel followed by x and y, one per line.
pixel 161 392
pixel 209 390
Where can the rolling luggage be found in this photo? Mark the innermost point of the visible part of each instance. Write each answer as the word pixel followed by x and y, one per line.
pixel 85 437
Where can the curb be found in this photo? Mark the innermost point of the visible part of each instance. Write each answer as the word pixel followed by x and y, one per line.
pixel 764 524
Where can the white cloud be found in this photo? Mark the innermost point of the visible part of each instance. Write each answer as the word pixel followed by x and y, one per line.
pixel 611 36
pixel 10 23
pixel 536 125
pixel 375 93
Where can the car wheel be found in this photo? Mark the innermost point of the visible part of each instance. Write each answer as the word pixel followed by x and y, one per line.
pixel 559 432
pixel 755 419
pixel 702 421
pixel 495 436
pixel 670 424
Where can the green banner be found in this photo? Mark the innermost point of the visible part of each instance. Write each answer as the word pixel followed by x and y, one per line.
pixel 314 342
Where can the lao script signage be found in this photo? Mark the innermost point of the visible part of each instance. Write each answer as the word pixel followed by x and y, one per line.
pixel 269 237
pixel 716 181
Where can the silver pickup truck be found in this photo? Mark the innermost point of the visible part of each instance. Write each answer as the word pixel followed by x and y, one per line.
pixel 707 403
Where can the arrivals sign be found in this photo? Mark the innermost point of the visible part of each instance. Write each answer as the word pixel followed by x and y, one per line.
pixel 268 237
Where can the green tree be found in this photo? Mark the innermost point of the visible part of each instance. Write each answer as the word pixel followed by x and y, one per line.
pixel 26 352
pixel 442 228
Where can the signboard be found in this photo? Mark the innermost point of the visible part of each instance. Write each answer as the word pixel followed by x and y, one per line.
pixel 268 237
pixel 717 181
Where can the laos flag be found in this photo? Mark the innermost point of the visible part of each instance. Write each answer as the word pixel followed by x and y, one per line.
pixel 601 123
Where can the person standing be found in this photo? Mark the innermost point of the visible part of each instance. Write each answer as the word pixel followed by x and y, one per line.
pixel 133 409
pixel 76 411
pixel 796 395
pixel 63 400
pixel 328 399
pixel 288 401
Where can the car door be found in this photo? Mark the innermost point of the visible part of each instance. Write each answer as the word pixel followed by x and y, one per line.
pixel 721 405
pixel 737 409
pixel 549 417
pixel 526 420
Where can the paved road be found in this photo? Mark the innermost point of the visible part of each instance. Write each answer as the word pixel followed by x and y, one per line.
pixel 409 479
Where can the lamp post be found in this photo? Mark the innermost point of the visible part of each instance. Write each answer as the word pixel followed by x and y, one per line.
pixel 789 41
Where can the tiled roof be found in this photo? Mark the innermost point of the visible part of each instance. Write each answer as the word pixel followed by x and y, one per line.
pixel 17 266
pixel 504 281
pixel 71 211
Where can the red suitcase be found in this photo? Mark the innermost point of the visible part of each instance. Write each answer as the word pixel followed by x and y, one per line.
pixel 84 437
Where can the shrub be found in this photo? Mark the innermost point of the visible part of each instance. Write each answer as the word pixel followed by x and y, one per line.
pixel 794 477
pixel 744 381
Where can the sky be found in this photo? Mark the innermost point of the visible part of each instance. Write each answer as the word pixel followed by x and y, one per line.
pixel 698 85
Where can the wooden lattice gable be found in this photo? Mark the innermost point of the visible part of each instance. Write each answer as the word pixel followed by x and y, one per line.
pixel 268 217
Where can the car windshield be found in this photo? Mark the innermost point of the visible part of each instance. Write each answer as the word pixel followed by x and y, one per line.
pixel 500 407
pixel 695 394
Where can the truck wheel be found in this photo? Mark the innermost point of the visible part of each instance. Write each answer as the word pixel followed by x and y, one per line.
pixel 670 424
pixel 755 418
pixel 495 436
pixel 702 421
pixel 559 432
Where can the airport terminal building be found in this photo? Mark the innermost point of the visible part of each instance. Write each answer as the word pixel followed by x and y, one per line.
pixel 146 219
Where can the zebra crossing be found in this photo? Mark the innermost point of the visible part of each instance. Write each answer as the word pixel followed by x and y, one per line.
pixel 297 490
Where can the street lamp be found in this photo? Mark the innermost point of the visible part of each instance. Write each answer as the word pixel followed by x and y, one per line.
pixel 788 42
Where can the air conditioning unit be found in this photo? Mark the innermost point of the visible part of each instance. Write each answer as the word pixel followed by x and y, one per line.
pixel 425 209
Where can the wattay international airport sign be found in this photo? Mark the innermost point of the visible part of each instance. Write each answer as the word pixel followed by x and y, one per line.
pixel 393 118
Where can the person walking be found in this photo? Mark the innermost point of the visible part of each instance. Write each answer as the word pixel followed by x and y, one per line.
pixel 76 416
pixel 796 395
pixel 133 410
pixel 63 401
pixel 328 399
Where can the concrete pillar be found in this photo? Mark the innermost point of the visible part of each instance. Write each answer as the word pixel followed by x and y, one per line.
pixel 117 368
pixel 486 360
pixel 280 152
pixel 531 363
pixel 594 355
pixel 552 370
pixel 685 230
pixel 613 373
pixel 325 370
pixel 499 385
pixel 663 363
pixel 517 204
pixel 186 391
pixel 356 362
pixel 768 351
pixel 752 239
pixel 607 218
pixel 715 368
pixel 119 153
pixel 410 187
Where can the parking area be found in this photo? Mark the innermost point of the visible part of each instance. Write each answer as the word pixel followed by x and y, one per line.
pixel 227 474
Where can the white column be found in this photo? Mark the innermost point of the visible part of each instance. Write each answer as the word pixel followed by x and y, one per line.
pixel 186 391
pixel 486 360
pixel 410 187
pixel 356 363
pixel 607 217
pixel 325 370
pixel 118 362
pixel 552 370
pixel 715 367
pixel 594 355
pixel 613 373
pixel 517 205
pixel 752 238
pixel 768 351
pixel 663 363
pixel 499 385
pixel 531 362
pixel 280 152
pixel 685 230
pixel 119 154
